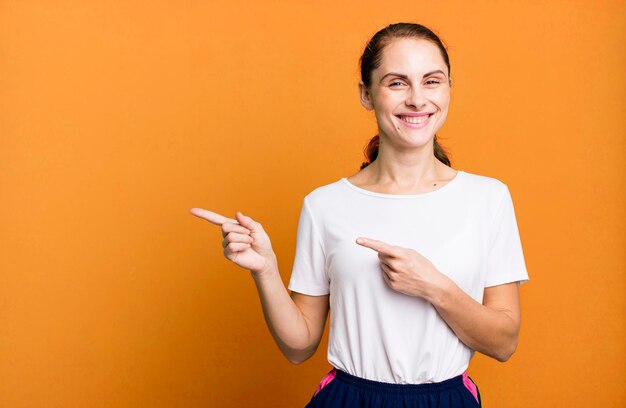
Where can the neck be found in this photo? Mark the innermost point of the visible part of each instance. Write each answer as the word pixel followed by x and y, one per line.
pixel 406 168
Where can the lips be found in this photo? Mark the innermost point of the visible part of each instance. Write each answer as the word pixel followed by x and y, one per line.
pixel 415 118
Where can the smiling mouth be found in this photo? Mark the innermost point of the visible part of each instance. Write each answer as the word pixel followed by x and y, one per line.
pixel 415 120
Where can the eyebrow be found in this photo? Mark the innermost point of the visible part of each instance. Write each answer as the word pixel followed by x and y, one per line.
pixel 403 76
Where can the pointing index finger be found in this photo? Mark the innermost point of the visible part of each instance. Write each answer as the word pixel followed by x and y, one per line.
pixel 378 246
pixel 212 217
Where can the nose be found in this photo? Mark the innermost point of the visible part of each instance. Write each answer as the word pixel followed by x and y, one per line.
pixel 415 97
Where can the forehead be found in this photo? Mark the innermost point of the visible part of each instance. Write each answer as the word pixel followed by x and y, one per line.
pixel 410 56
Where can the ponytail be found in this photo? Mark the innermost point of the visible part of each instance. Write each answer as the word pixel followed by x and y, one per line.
pixel 371 152
pixel 440 153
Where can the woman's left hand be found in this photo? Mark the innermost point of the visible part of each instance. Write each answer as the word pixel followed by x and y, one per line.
pixel 406 270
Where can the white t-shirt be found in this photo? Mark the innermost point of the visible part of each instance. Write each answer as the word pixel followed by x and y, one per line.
pixel 466 228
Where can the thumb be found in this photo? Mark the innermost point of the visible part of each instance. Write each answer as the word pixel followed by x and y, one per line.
pixel 248 222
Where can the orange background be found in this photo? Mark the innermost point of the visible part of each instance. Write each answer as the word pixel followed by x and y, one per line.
pixel 117 117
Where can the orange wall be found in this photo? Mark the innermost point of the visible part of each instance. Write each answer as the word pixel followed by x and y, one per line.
pixel 117 117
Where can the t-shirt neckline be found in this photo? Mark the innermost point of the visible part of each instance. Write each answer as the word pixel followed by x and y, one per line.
pixel 430 193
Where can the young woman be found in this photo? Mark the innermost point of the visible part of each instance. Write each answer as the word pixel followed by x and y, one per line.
pixel 419 263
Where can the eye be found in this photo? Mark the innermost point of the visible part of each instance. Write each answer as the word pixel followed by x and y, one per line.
pixel 432 82
pixel 396 83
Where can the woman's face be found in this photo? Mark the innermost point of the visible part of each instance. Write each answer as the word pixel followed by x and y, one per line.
pixel 410 92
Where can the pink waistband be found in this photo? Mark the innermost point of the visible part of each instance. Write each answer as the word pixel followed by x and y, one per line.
pixel 469 384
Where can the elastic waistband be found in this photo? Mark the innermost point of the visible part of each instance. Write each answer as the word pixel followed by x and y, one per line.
pixel 399 388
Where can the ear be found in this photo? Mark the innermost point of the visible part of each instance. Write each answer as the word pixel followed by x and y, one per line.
pixel 366 99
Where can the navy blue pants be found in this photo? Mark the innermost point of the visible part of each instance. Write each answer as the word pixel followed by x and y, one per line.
pixel 339 389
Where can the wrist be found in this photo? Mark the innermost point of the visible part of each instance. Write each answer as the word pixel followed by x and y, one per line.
pixel 270 267
pixel 440 291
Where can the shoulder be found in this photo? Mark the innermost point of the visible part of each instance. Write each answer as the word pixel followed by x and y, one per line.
pixel 484 185
pixel 330 191
pixel 485 192
pixel 326 199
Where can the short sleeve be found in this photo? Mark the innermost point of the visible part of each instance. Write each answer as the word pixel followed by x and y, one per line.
pixel 309 275
pixel 505 261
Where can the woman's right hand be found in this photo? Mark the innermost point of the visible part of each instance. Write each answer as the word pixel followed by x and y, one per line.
pixel 245 241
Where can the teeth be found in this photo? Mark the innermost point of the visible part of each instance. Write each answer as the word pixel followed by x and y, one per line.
pixel 415 119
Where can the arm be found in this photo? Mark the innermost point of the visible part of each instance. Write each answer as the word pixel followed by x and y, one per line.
pixel 296 322
pixel 492 327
